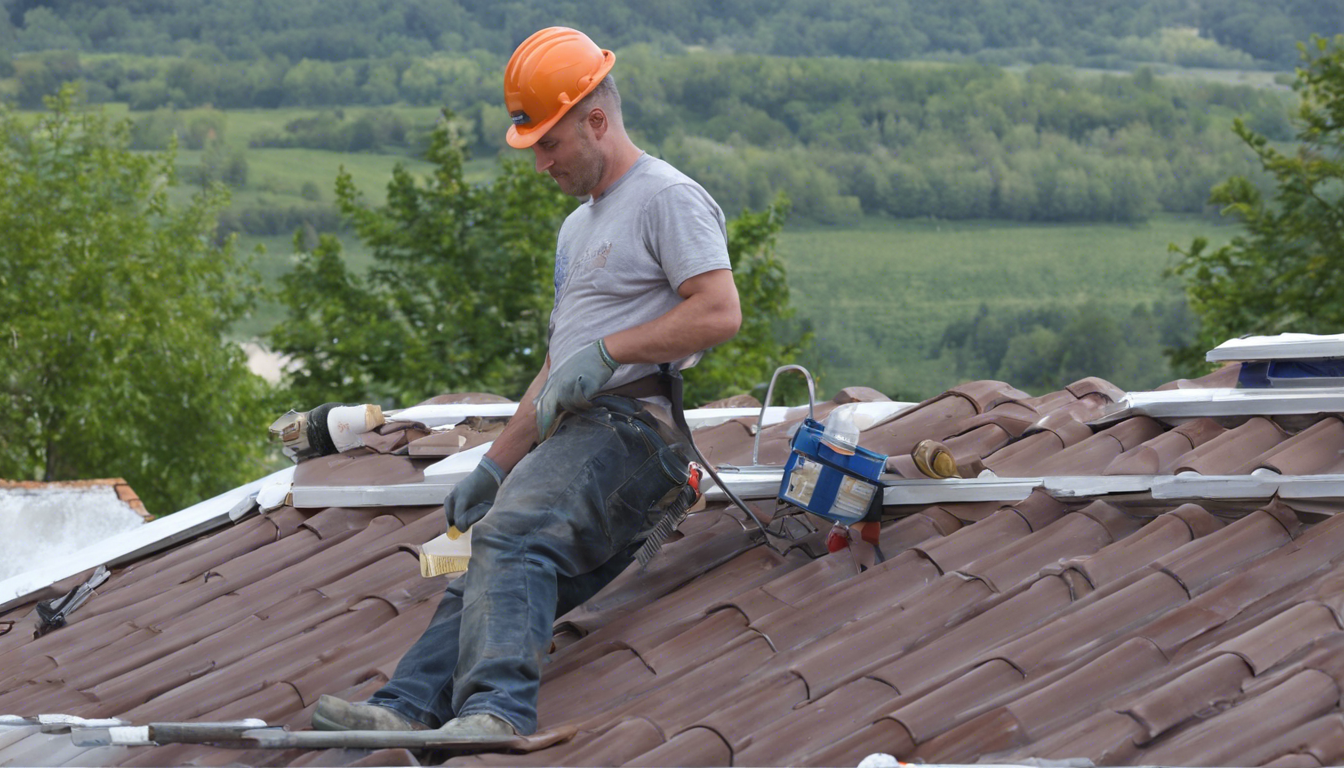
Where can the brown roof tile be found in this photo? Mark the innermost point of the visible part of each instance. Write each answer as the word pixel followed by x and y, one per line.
pixel 1310 451
pixel 1114 630
pixel 1232 449
pixel 1227 737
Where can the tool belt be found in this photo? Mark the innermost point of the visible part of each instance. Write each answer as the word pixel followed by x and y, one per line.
pixel 667 384
pixel 676 438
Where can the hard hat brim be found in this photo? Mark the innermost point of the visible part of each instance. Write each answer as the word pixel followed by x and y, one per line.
pixel 531 134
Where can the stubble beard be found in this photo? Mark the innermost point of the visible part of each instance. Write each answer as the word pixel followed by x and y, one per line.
pixel 587 173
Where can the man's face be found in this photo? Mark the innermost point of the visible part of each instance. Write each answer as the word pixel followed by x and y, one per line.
pixel 569 153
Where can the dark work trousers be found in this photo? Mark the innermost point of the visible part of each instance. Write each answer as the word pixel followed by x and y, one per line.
pixel 567 520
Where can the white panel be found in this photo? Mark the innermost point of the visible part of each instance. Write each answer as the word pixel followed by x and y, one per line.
pixel 1193 403
pixel 150 537
pixel 1285 346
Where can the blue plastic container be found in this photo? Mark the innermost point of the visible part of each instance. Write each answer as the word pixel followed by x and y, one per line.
pixel 826 482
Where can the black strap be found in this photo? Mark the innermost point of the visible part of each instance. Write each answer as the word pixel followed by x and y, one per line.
pixel 673 382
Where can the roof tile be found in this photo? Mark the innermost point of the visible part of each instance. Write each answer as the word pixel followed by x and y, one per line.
pixel 1229 736
pixel 1312 450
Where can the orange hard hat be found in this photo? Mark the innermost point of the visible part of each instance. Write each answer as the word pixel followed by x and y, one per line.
pixel 547 75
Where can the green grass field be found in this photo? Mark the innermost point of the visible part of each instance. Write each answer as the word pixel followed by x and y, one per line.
pixel 880 295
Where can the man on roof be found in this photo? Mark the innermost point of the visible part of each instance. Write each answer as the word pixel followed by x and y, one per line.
pixel 561 501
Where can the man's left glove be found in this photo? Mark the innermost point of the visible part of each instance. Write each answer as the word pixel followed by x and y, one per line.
pixel 470 499
pixel 573 384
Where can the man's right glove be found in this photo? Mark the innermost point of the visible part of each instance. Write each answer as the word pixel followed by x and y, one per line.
pixel 572 385
pixel 470 499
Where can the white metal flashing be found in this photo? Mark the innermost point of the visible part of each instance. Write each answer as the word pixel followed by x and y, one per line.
pixel 1194 403
pixel 925 492
pixel 428 493
pixel 130 736
pixel 455 413
pixel 1285 346
pixel 150 537
pixel 1261 484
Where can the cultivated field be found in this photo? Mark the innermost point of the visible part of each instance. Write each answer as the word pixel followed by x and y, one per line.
pixel 881 294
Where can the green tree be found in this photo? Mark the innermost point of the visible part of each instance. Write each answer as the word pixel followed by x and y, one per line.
pixel 112 308
pixel 458 298
pixel 769 336
pixel 1286 271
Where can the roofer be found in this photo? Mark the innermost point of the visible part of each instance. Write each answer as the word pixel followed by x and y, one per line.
pixel 574 482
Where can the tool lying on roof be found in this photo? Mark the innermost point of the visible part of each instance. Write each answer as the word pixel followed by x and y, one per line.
pixel 255 734
pixel 52 614
pixel 327 429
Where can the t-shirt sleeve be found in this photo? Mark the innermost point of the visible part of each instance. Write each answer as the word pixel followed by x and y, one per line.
pixel 686 232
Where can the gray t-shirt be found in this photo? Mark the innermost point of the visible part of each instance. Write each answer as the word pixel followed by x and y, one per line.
pixel 621 257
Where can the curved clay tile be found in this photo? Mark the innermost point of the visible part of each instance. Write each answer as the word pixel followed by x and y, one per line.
pixel 1046 709
pixel 1199 564
pixel 933 419
pixel 1271 641
pixel 1075 535
pixel 1226 738
pixel 1310 451
pixel 1021 457
pixel 360 466
pixel 1160 537
pixel 1050 401
pixel 1231 450
pixel 694 746
pixel 1025 457
pixel 465 398
pixel 1314 743
pixel 1094 454
pixel 988 394
pixel 825 721
pixel 956 702
pixel 858 395
pixel 1204 688
pixel 960 647
pixel 736 401
pixel 992 732
pixel 727 443
pixel 1095 386
pixel 1013 418
pixel 1101 618
pixel 951 553
pixel 1159 455
pixel 1223 378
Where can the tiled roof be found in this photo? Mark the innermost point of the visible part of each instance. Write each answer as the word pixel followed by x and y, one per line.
pixel 1127 629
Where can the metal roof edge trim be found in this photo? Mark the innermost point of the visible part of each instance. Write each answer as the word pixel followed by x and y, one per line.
pixel 146 539
pixel 453 413
pixel 1284 346
pixel 1194 403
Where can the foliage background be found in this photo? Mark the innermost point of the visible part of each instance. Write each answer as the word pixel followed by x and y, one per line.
pixel 112 305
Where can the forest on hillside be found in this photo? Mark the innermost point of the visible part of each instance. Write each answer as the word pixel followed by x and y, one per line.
pixel 842 138
pixel 1098 33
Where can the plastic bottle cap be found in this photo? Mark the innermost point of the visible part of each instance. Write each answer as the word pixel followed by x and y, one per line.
pixel 842 434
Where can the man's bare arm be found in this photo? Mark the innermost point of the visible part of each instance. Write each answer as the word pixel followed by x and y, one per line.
pixel 521 432
pixel 710 315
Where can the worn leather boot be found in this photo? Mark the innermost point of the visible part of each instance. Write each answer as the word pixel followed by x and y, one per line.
pixel 482 727
pixel 333 714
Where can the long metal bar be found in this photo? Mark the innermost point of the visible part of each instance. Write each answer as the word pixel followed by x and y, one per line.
pixel 1194 403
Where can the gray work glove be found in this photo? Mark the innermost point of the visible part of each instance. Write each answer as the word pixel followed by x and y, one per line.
pixel 470 499
pixel 572 386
